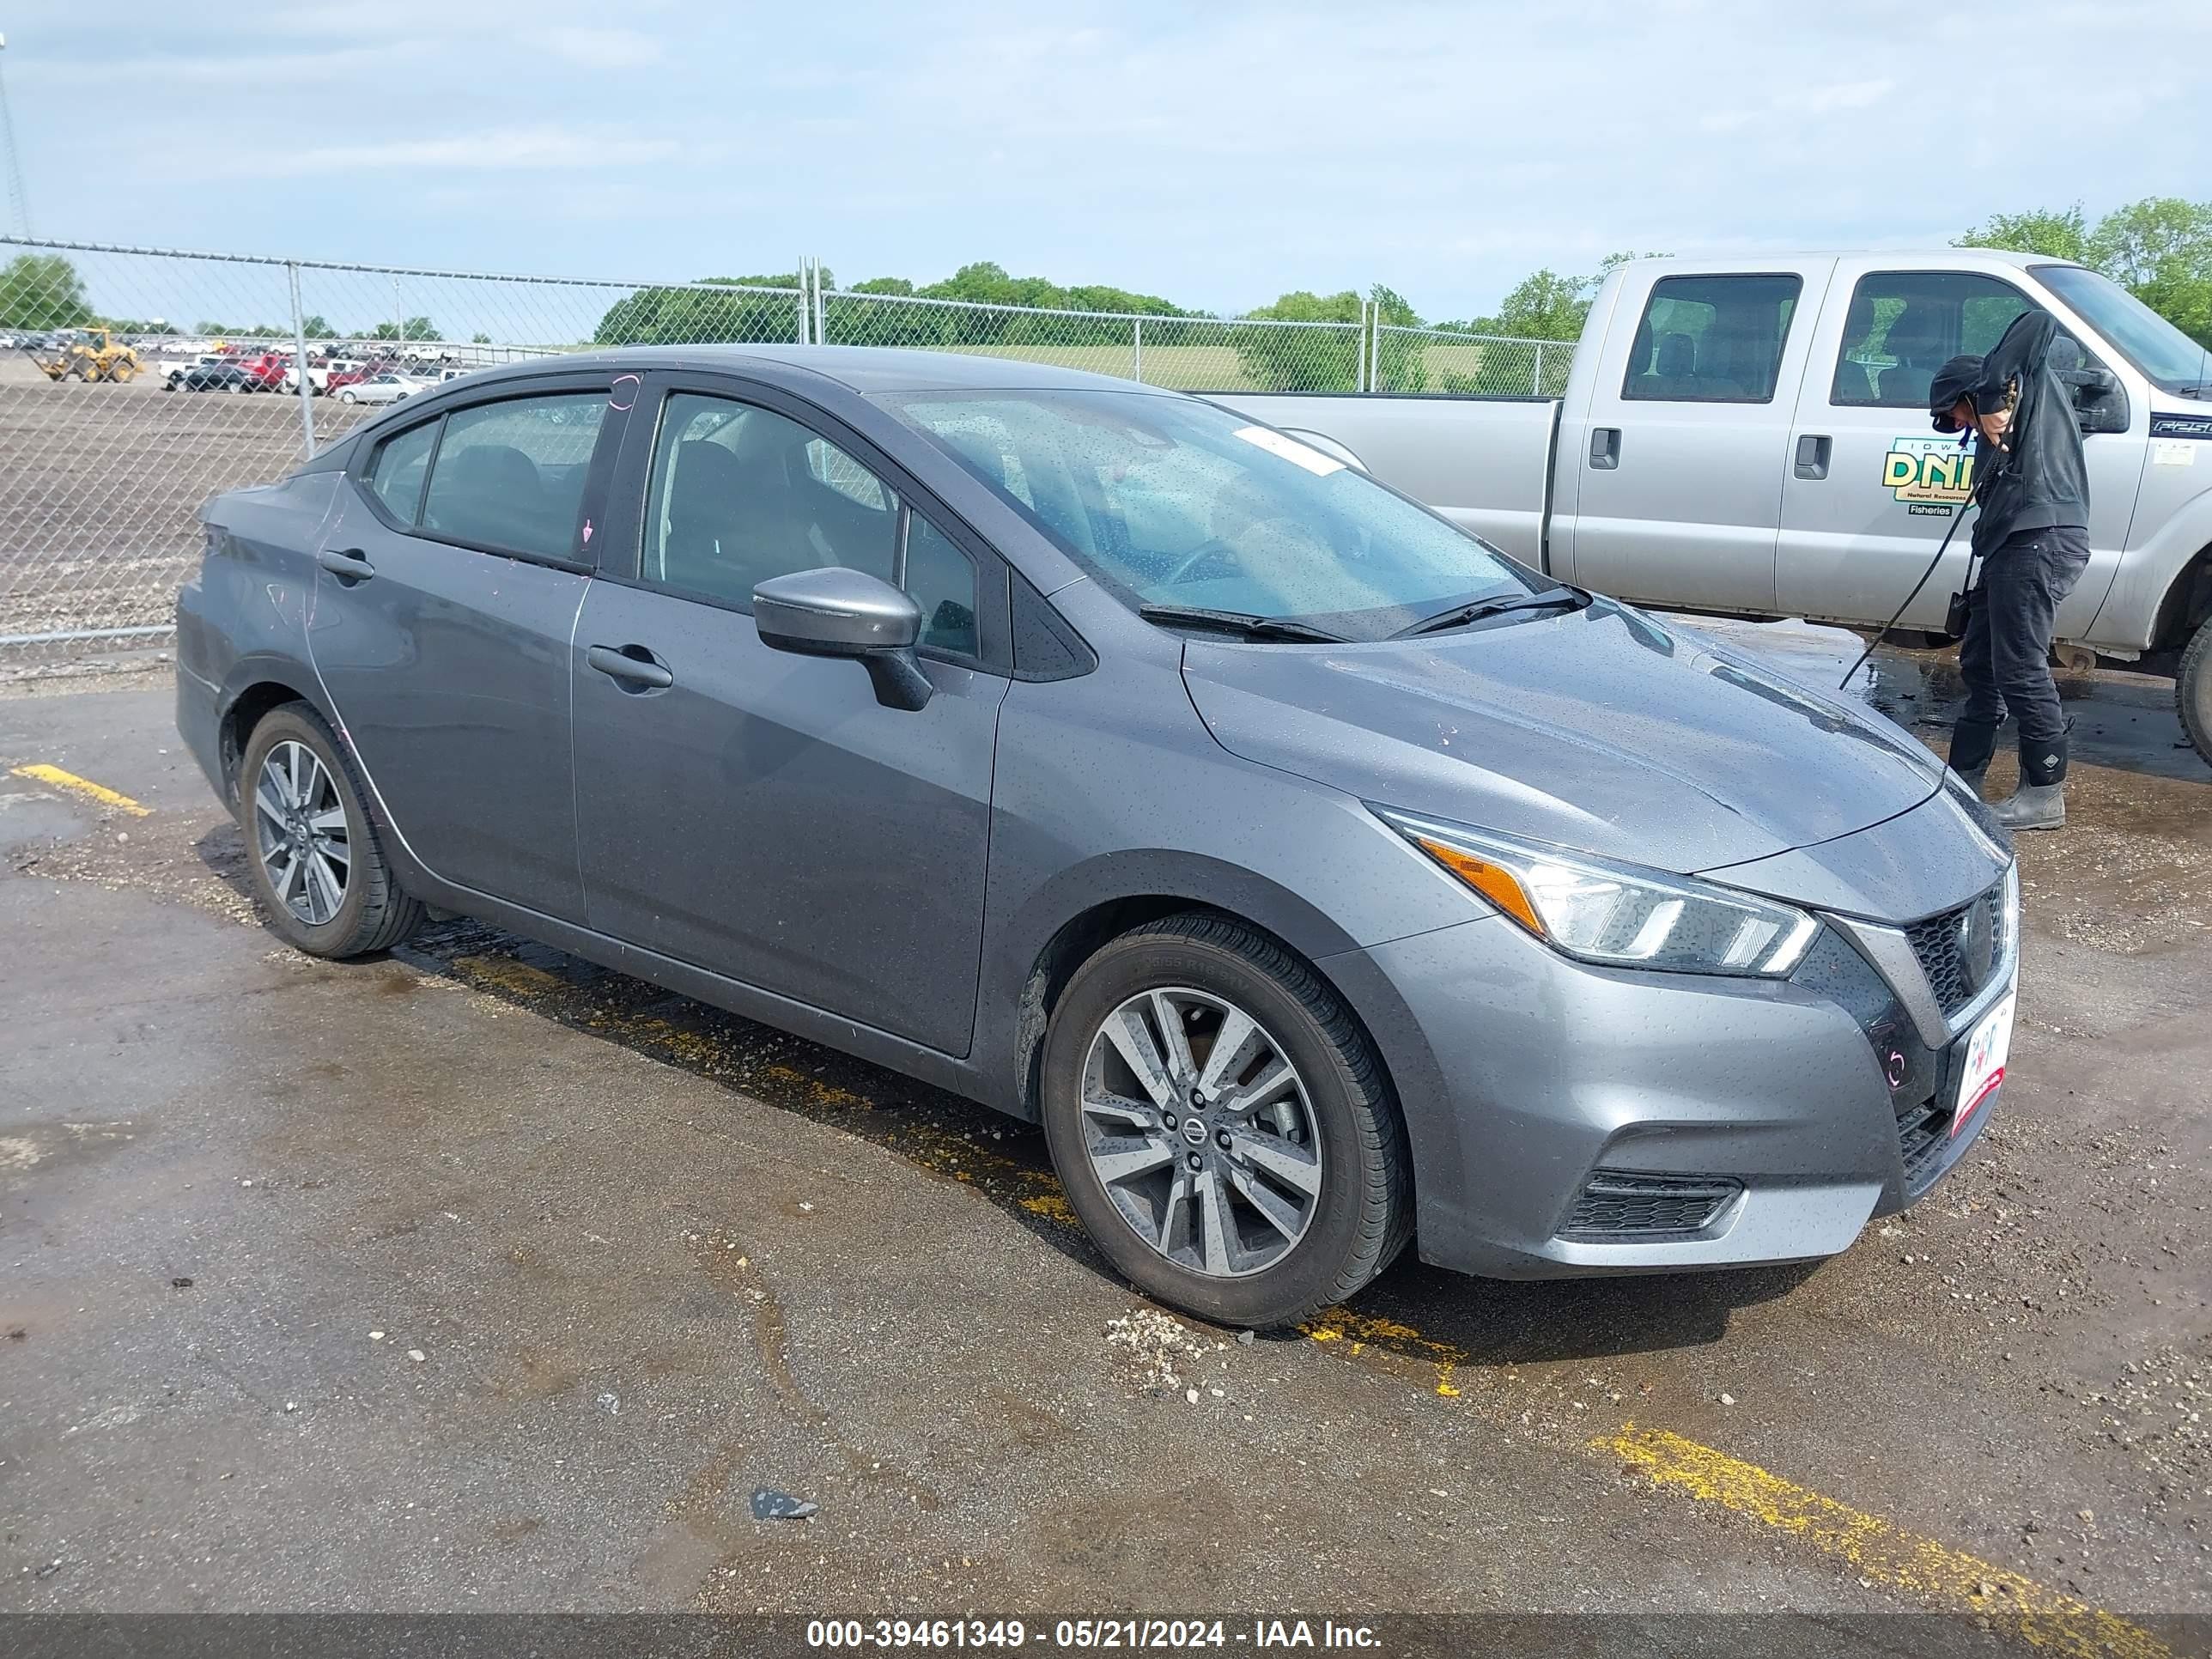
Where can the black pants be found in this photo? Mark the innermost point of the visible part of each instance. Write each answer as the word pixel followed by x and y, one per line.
pixel 2006 658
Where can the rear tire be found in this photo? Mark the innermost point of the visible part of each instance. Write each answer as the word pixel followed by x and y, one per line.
pixel 315 855
pixel 1272 1211
pixel 2192 691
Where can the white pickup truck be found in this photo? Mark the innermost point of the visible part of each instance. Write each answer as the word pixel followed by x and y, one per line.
pixel 1750 436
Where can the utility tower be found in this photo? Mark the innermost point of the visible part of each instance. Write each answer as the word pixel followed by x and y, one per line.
pixel 19 206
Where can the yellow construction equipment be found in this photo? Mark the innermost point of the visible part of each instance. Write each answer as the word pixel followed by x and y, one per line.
pixel 83 359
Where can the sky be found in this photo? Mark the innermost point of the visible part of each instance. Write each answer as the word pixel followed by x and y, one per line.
pixel 1215 153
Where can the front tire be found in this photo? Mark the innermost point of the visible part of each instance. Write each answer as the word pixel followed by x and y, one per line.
pixel 317 861
pixel 1222 1125
pixel 2192 691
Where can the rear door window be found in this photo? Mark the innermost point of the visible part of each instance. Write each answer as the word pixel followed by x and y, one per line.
pixel 1713 339
pixel 1903 325
pixel 510 475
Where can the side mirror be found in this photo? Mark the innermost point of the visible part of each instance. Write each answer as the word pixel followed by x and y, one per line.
pixel 837 612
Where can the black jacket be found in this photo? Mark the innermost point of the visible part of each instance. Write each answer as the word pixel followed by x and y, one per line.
pixel 2038 479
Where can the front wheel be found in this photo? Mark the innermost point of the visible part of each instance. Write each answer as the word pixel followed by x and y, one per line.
pixel 1222 1125
pixel 346 395
pixel 2192 691
pixel 317 864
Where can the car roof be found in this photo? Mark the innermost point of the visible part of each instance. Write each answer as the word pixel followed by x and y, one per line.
pixel 868 370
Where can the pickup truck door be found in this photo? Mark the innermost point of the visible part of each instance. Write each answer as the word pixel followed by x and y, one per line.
pixel 1678 461
pixel 1870 488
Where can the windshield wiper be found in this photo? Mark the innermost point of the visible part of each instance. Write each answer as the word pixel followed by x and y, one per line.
pixel 1496 606
pixel 1251 626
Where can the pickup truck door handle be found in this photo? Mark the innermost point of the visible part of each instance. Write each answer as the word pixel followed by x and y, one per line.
pixel 348 564
pixel 1813 449
pixel 1605 447
pixel 633 667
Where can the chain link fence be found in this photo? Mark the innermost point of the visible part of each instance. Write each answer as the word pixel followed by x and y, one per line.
pixel 1469 365
pixel 136 383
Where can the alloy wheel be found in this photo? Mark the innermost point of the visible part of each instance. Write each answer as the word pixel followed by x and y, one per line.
pixel 300 829
pixel 1200 1131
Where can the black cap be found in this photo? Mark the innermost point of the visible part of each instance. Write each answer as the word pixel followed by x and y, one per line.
pixel 1957 378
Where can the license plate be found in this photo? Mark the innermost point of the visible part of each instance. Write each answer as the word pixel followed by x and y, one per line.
pixel 1984 1067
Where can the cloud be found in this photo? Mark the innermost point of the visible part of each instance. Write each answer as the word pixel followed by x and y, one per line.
pixel 602 49
pixel 1846 94
pixel 508 149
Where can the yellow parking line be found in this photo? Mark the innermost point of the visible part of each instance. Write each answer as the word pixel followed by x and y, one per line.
pixel 100 792
pixel 1883 1553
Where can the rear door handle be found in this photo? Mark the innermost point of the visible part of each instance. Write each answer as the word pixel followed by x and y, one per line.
pixel 633 665
pixel 348 564
pixel 1605 447
pixel 1813 450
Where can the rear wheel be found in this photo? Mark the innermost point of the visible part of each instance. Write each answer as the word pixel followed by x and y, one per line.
pixel 2192 691
pixel 1222 1125
pixel 317 864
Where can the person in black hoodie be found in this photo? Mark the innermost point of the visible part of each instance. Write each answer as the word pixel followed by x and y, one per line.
pixel 2033 538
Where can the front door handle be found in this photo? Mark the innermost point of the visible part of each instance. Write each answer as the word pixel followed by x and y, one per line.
pixel 632 665
pixel 1605 447
pixel 1813 450
pixel 348 564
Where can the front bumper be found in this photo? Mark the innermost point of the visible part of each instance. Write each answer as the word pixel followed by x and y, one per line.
pixel 1803 1108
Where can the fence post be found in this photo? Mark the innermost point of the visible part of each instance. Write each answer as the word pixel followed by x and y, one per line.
pixel 1536 384
pixel 1359 371
pixel 821 308
pixel 1137 333
pixel 300 363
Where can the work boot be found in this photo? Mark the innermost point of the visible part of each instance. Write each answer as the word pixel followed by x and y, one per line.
pixel 1972 777
pixel 2039 803
pixel 1972 742
pixel 2033 807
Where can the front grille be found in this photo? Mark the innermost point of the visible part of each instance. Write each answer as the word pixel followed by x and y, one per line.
pixel 1616 1205
pixel 1960 950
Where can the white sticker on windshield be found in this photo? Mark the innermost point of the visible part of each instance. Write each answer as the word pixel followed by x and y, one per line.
pixel 1290 450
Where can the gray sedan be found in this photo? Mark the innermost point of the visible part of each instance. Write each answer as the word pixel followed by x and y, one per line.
pixel 1322 879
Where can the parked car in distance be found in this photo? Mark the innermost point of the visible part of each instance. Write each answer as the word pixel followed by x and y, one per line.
pixel 318 379
pixel 1320 877
pixel 389 388
pixel 1751 436
pixel 173 372
pixel 222 374
pixel 352 371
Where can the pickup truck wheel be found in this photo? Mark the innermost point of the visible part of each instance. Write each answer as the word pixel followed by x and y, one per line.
pixel 2192 691
pixel 1222 1125
pixel 317 862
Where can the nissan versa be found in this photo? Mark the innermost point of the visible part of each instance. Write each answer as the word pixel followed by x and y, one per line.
pixel 1320 878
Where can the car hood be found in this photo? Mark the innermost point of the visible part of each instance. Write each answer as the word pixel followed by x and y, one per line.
pixel 1597 729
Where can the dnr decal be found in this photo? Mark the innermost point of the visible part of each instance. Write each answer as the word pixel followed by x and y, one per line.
pixel 1929 474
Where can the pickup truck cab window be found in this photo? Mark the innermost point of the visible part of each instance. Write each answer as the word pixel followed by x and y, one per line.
pixel 1712 339
pixel 1902 325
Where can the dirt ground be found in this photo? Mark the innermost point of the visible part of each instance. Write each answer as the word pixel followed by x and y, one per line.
pixel 477 1278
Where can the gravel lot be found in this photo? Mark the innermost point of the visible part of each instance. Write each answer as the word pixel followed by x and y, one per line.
pixel 101 495
pixel 478 1277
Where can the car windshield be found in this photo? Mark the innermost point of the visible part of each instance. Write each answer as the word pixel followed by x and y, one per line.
pixel 2169 359
pixel 1169 502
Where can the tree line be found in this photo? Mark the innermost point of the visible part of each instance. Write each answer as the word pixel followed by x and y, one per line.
pixel 2159 249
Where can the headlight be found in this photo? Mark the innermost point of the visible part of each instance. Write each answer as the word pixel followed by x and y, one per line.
pixel 1617 914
